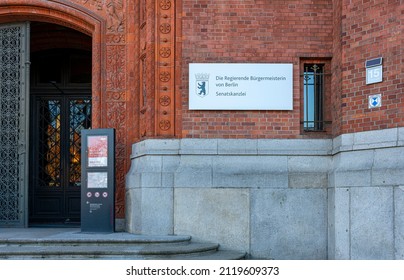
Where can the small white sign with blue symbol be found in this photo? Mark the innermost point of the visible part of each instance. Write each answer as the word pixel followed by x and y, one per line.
pixel 375 101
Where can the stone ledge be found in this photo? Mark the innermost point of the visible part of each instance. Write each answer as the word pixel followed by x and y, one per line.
pixel 375 139
pixel 400 141
pixel 386 138
pixel 232 147
pixel 393 137
pixel 292 147
pixel 155 147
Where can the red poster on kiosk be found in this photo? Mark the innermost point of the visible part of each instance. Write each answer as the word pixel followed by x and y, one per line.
pixel 97 151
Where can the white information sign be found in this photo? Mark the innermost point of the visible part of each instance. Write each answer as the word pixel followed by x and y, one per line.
pixel 97 180
pixel 374 74
pixel 240 86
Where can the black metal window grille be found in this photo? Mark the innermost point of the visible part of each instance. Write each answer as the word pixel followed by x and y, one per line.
pixel 313 97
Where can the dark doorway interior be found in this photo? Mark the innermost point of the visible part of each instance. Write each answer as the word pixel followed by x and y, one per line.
pixel 60 97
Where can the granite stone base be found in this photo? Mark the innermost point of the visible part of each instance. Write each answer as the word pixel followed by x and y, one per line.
pixel 336 198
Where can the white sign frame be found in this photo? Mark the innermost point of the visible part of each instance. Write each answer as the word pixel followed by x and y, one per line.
pixel 241 86
pixel 374 74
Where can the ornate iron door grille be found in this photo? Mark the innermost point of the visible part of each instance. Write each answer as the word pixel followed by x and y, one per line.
pixel 14 56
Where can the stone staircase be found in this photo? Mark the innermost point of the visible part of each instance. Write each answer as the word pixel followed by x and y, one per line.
pixel 45 243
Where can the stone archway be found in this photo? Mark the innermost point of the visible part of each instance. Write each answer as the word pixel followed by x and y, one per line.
pixel 72 16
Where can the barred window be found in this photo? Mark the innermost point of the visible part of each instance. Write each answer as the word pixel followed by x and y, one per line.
pixel 313 97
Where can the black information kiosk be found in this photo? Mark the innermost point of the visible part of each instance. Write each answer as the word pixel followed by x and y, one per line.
pixel 98 180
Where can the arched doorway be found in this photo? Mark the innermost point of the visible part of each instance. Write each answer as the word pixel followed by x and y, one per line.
pixel 16 19
pixel 60 107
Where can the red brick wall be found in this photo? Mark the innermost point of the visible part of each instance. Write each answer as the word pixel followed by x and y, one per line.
pixel 336 71
pixel 248 31
pixel 370 29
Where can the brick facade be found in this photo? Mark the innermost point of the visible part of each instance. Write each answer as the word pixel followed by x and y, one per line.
pixel 336 83
pixel 371 29
pixel 252 32
pixel 141 52
pixel 349 33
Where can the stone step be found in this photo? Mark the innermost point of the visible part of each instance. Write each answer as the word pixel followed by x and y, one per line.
pixel 72 244
pixel 77 239
pixel 129 251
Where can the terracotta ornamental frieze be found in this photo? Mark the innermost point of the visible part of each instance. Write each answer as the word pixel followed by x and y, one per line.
pixel 165 44
pixel 114 98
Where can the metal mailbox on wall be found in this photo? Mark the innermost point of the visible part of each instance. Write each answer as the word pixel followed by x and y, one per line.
pixel 98 180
